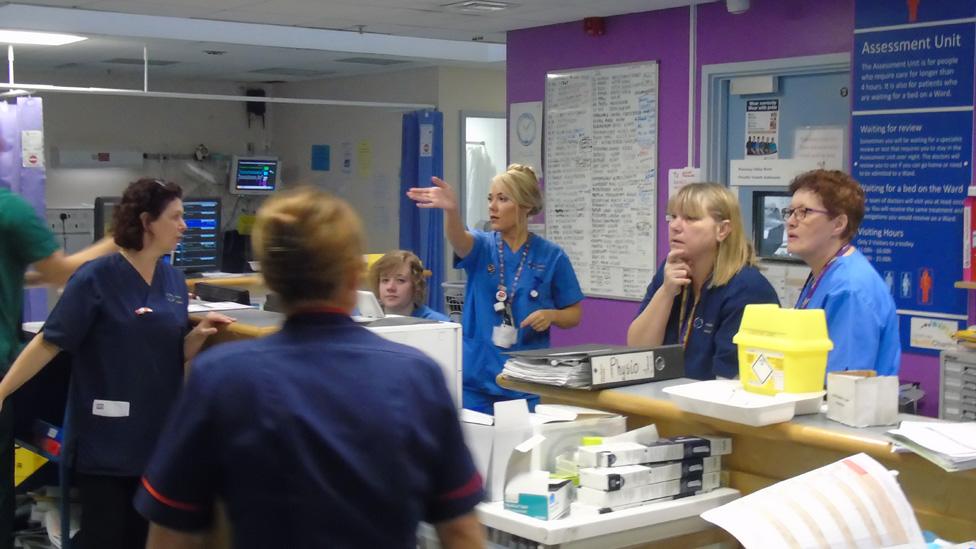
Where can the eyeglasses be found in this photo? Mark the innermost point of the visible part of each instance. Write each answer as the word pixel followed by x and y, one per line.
pixel 801 213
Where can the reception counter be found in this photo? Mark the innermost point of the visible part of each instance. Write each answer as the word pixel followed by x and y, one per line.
pixel 762 456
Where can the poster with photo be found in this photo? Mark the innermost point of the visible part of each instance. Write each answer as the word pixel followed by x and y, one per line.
pixel 762 128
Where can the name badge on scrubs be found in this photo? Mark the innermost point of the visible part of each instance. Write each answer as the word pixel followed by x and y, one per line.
pixel 110 408
pixel 504 336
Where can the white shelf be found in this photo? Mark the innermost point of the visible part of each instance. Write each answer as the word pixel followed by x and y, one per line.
pixel 646 523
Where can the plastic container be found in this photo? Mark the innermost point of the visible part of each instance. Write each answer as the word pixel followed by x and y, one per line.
pixel 782 350
pixel 969 235
pixel 728 400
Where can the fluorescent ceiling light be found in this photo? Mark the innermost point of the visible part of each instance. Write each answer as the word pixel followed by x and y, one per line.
pixel 38 38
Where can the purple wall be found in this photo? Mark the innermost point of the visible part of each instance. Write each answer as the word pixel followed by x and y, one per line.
pixel 771 29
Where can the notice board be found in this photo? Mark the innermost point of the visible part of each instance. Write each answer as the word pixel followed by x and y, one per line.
pixel 601 174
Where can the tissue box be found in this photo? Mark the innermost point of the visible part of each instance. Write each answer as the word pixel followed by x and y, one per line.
pixel 541 498
pixel 862 399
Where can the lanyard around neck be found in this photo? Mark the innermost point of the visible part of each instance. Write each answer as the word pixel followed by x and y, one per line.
pixel 808 289
pixel 503 294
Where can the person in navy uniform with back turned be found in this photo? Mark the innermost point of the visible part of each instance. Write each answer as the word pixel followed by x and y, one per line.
pixel 123 318
pixel 698 294
pixel 323 434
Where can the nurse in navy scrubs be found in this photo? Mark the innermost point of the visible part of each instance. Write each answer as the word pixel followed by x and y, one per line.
pixel 519 284
pixel 698 294
pixel 123 318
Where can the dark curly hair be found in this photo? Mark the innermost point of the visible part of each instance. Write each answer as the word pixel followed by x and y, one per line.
pixel 143 196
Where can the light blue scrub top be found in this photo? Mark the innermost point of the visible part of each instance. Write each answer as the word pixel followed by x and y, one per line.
pixel 861 318
pixel 547 271
pixel 430 314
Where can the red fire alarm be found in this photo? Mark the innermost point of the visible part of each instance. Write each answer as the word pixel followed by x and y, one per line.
pixel 594 26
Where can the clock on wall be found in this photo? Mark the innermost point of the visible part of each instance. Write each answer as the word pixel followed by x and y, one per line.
pixel 525 128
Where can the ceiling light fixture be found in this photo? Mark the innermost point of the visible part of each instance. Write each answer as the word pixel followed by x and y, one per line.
pixel 38 38
pixel 478 6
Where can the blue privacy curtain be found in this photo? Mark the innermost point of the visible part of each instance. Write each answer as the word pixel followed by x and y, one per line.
pixel 22 171
pixel 422 230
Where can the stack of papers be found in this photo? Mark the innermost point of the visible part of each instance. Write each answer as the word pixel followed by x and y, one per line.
pixel 560 369
pixel 854 502
pixel 951 446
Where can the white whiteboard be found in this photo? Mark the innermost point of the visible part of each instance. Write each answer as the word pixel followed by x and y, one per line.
pixel 601 174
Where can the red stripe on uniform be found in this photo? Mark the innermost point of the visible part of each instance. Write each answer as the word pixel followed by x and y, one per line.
pixel 470 487
pixel 166 501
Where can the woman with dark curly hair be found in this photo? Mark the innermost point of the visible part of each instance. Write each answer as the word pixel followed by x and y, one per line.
pixel 123 318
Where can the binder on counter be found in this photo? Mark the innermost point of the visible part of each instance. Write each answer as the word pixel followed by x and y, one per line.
pixel 595 366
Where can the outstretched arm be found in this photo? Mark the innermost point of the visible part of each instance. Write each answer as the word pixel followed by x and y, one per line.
pixel 442 196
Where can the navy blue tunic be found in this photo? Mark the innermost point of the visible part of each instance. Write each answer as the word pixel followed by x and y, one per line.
pixel 321 435
pixel 127 367
pixel 709 351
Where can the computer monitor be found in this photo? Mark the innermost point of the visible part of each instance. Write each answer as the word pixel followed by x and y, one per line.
pixel 768 226
pixel 254 174
pixel 200 249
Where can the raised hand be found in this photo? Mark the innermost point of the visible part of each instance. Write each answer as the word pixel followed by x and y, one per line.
pixel 677 274
pixel 441 195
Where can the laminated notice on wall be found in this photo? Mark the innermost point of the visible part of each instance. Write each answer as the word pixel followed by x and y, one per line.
pixel 32 148
pixel 855 502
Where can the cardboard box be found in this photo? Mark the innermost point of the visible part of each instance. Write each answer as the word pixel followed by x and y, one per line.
pixel 678 448
pixel 491 439
pixel 627 496
pixel 612 455
pixel 615 478
pixel 530 491
pixel 862 398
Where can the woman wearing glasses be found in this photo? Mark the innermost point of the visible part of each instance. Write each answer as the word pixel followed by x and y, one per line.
pixel 123 318
pixel 826 209
pixel 698 294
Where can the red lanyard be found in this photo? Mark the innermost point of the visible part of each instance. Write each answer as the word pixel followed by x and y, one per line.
pixel 502 294
pixel 808 289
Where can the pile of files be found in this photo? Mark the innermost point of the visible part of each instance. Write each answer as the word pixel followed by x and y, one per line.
pixel 949 445
pixel 622 475
pixel 595 366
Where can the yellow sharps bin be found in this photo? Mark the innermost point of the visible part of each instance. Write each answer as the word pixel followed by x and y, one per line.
pixel 782 350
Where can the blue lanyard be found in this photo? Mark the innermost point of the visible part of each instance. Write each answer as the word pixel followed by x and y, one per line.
pixel 808 289
pixel 502 290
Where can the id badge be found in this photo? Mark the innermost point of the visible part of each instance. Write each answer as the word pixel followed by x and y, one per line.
pixel 504 336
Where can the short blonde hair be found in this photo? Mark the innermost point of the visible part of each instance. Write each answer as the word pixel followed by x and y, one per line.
pixel 389 263
pixel 716 201
pixel 308 242
pixel 522 186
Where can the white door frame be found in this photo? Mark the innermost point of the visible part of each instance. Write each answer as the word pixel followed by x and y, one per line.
pixel 714 99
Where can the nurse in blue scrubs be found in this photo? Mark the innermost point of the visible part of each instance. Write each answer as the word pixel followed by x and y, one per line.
pixel 826 209
pixel 397 279
pixel 123 318
pixel 697 296
pixel 519 284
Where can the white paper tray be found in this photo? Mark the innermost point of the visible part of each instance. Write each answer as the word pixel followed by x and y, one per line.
pixel 666 518
pixel 727 399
